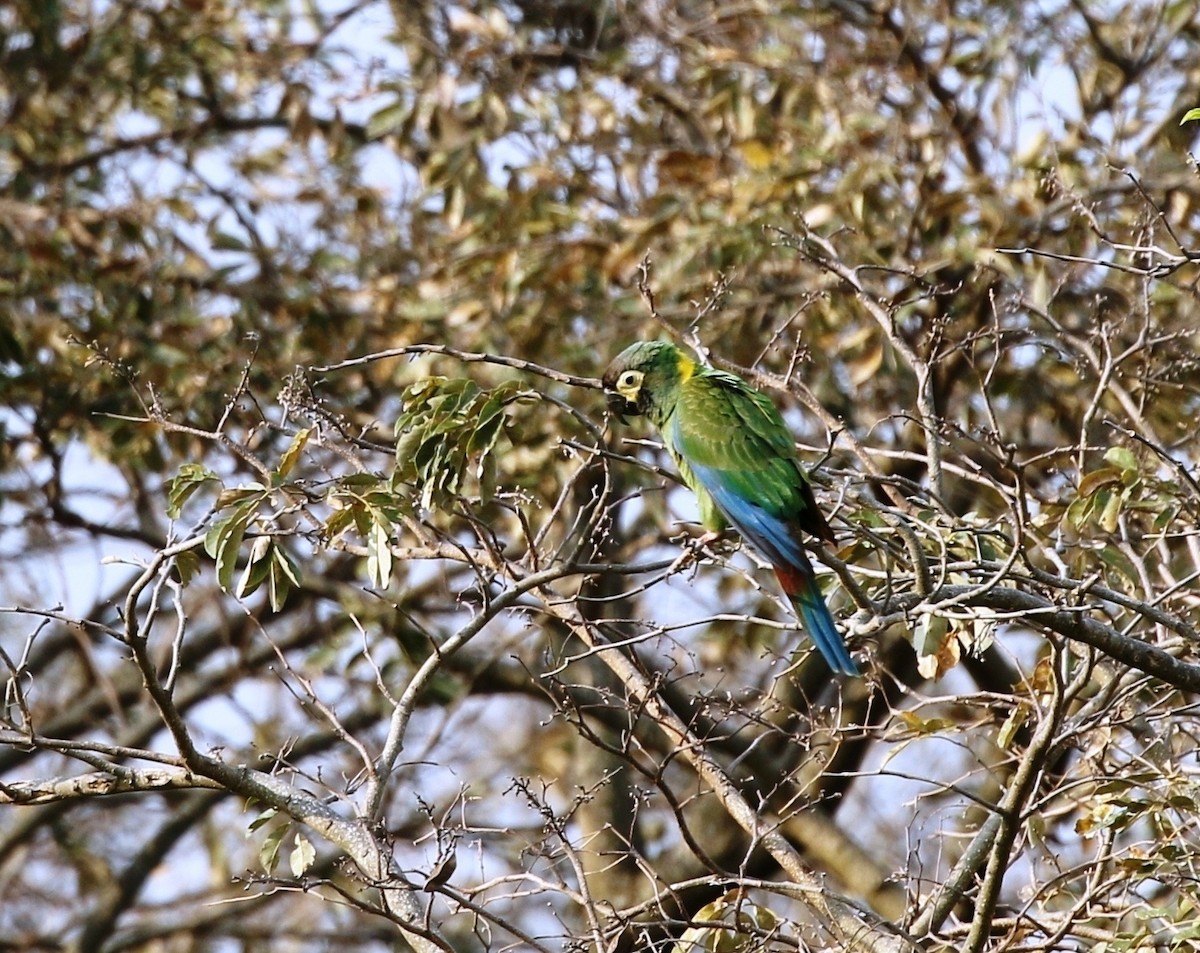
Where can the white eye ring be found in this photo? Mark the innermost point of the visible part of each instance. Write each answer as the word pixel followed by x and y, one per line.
pixel 629 380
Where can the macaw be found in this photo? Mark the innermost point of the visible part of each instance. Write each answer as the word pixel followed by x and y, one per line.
pixel 736 454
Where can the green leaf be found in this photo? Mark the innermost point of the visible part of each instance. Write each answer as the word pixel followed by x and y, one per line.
pixel 921 727
pixel 339 521
pixel 268 853
pixel 292 453
pixel 287 565
pixel 1080 511
pixel 215 535
pixel 223 241
pixel 260 820
pixel 257 567
pixel 1111 512
pixel 929 634
pixel 1098 478
pixel 1165 517
pixel 1121 457
pixel 744 919
pixel 388 119
pixel 284 575
pixel 360 481
pixel 1116 560
pixel 224 538
pixel 302 856
pixel 1012 724
pixel 379 553
pixel 240 494
pixel 445 436
pixel 487 478
pixel 1191 115
pixel 187 564
pixel 278 587
pixel 190 478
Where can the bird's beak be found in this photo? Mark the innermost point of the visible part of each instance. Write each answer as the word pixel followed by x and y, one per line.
pixel 620 406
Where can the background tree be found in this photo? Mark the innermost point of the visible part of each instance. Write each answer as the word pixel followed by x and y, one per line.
pixel 336 616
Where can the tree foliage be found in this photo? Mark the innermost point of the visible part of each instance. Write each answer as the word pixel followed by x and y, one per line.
pixel 338 615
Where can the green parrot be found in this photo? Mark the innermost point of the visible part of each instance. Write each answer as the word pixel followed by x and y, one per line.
pixel 734 451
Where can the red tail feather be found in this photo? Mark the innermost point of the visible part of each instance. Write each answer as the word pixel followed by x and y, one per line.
pixel 791 579
pixel 801 588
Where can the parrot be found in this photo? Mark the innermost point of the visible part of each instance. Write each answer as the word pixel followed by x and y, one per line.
pixel 733 451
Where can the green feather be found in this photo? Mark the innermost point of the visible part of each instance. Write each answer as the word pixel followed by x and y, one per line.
pixel 724 424
pixel 735 452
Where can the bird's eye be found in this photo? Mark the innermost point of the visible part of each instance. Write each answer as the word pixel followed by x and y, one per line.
pixel 630 380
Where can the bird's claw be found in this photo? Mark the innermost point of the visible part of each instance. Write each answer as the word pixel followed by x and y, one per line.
pixel 710 537
pixel 696 548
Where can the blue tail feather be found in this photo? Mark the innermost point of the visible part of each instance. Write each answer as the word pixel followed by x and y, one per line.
pixel 818 623
pixel 778 538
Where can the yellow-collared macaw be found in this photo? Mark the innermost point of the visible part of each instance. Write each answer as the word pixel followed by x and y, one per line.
pixel 735 452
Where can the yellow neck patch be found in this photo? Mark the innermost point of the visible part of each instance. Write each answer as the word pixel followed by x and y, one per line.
pixel 687 367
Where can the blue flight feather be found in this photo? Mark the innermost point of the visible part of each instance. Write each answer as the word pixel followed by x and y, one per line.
pixel 775 539
pixel 818 623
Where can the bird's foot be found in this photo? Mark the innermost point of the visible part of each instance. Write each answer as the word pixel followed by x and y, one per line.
pixel 712 536
pixel 696 548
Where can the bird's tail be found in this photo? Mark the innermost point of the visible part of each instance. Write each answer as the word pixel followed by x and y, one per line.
pixel 801 589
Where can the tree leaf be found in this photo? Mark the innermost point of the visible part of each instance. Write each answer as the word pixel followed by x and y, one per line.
pixel 1096 479
pixel 387 119
pixel 187 481
pixel 379 551
pixel 224 241
pixel 1012 724
pixel 223 540
pixel 292 453
pixel 263 817
pixel 268 853
pixel 257 566
pixel 302 856
pixel 187 564
pixel 283 576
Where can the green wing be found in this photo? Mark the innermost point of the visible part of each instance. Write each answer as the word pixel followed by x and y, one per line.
pixel 732 445
pixel 735 451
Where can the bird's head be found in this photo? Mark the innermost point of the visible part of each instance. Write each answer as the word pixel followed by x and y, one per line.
pixel 643 378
